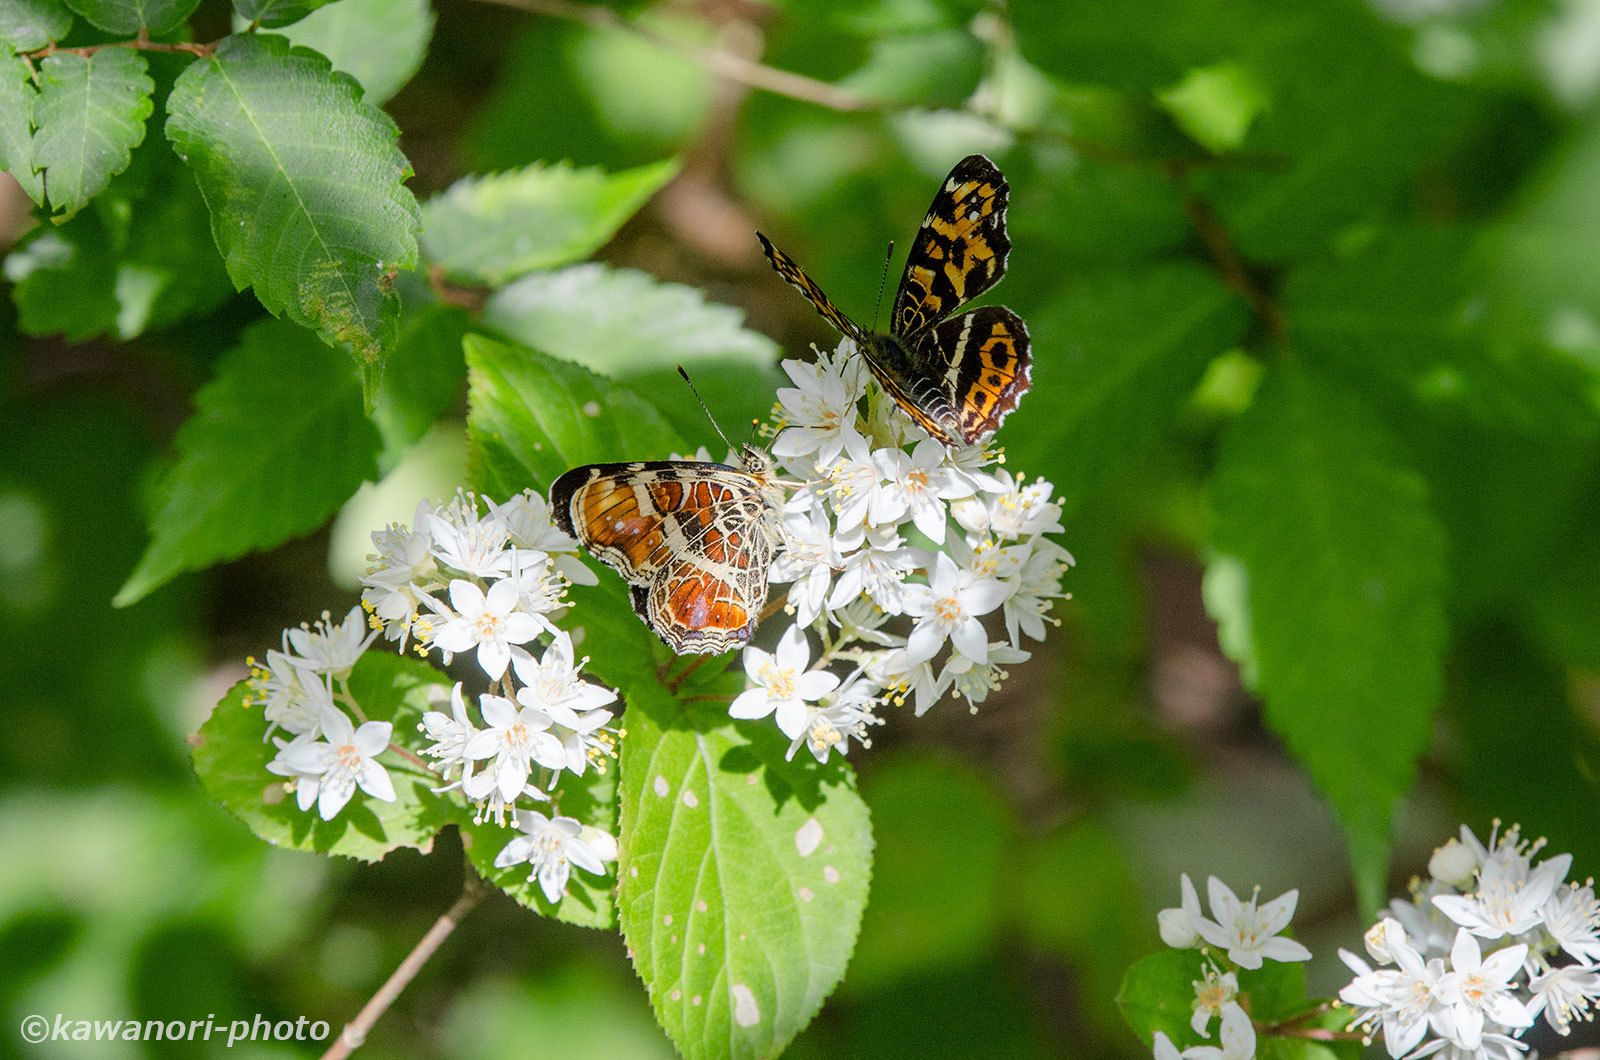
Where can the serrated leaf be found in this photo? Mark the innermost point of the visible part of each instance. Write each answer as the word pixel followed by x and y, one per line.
pixel 589 901
pixel 380 43
pixel 532 417
pixel 742 879
pixel 631 326
pixel 17 100
pixel 1131 346
pixel 231 756
pixel 277 442
pixel 273 13
pixel 89 117
pixel 30 24
pixel 497 227
pixel 130 16
pixel 1345 562
pixel 304 183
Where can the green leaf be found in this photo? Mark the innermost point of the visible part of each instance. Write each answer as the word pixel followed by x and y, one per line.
pixel 743 877
pixel 1345 568
pixel 273 13
pixel 936 820
pixel 142 263
pixel 941 68
pixel 277 442
pixel 1405 311
pixel 1130 347
pixel 231 756
pixel 380 43
pixel 495 228
pixel 30 24
pixel 633 327
pixel 90 116
pixel 1158 992
pixel 130 16
pixel 1216 104
pixel 588 902
pixel 304 182
pixel 18 97
pixel 532 417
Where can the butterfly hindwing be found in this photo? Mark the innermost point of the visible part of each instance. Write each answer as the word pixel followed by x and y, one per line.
pixel 691 538
pixel 959 252
pixel 988 366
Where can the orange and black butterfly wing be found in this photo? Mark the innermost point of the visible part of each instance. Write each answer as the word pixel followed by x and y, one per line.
pixel 687 536
pixel 789 270
pixel 988 367
pixel 958 253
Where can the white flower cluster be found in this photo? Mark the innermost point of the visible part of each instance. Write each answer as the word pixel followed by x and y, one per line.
pixel 1436 990
pixel 869 536
pixel 1249 934
pixel 461 579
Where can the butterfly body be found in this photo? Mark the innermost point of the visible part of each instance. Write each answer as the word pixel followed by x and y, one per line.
pixel 694 540
pixel 957 376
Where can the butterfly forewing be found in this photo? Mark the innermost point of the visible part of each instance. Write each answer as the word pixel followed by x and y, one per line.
pixel 786 267
pixel 693 539
pixel 960 250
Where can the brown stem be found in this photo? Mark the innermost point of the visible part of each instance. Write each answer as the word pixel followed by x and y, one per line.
pixel 724 698
pixel 676 682
pixel 1219 243
pixel 1293 1021
pixel 410 757
pixel 473 890
pixel 140 43
pixel 1318 1034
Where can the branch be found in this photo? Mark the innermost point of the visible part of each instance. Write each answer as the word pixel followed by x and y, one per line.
pixel 1215 236
pixel 724 64
pixel 140 43
pixel 473 891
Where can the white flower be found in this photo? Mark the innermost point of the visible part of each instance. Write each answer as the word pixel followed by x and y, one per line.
pixel 1163 1047
pixel 1565 994
pixel 1238 1039
pixel 1476 989
pixel 917 484
pixel 820 408
pixel 515 739
pixel 1426 928
pixel 292 693
pixel 330 649
pixel 468 542
pixel 451 734
pixel 553 680
pixel 404 561
pixel 918 680
pixel 551 848
pixel 1180 926
pixel 1454 863
pixel 1374 997
pixel 1037 587
pixel 1411 994
pixel 783 684
pixel 1571 917
pixel 1509 896
pixel 808 559
pixel 1247 932
pixel 528 527
pixel 1213 996
pixel 1022 511
pixel 488 622
pixel 948 608
pixel 852 484
pixel 973 681
pixel 328 773
pixel 967 464
pixel 845 713
pixel 877 570
pixel 1380 939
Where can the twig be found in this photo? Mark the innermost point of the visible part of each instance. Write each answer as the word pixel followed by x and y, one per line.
pixel 1319 1034
pixel 473 891
pixel 140 43
pixel 724 64
pixel 1293 1021
pixel 410 757
pixel 688 671
pixel 1219 243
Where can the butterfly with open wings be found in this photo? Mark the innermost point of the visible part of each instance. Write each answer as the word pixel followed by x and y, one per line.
pixel 958 377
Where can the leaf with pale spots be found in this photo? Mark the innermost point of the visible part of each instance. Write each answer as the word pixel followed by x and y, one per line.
pixel 230 758
pixel 743 877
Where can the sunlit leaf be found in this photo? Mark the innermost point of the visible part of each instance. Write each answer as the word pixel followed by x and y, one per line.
pixel 380 43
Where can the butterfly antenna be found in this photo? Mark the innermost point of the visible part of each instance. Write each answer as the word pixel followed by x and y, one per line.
pixel 885 279
pixel 714 424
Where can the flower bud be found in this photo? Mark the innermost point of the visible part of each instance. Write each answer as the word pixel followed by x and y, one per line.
pixel 1454 863
pixel 1177 929
pixel 1381 937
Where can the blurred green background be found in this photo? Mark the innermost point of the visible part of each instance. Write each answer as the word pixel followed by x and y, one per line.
pixel 1405 193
